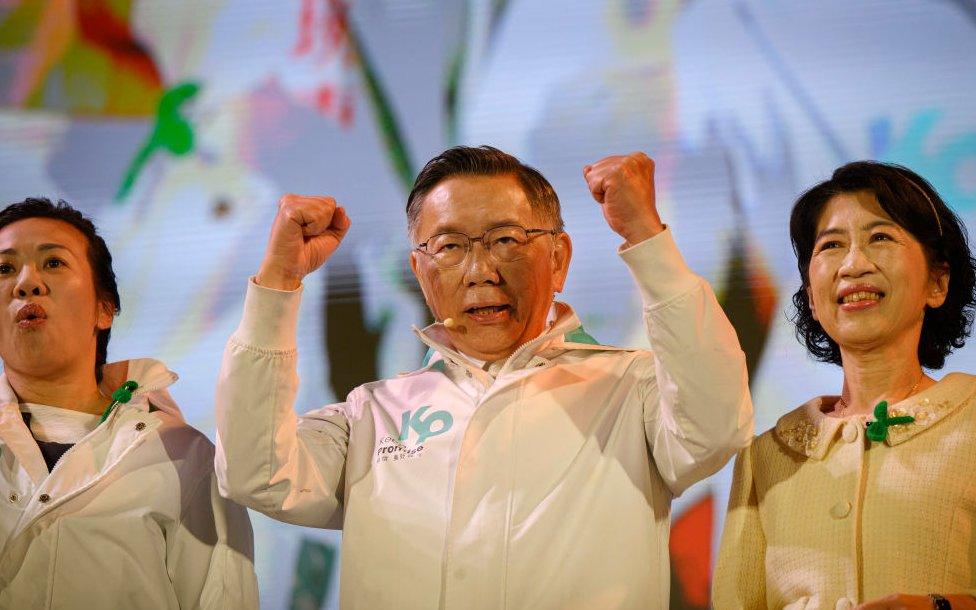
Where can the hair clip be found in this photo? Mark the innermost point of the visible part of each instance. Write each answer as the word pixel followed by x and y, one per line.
pixel 938 222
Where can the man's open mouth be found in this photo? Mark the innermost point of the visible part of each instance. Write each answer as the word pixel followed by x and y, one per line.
pixel 487 310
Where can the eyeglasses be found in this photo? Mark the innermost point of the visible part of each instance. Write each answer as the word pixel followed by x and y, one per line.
pixel 504 244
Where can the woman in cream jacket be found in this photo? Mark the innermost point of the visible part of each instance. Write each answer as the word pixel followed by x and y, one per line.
pixel 867 499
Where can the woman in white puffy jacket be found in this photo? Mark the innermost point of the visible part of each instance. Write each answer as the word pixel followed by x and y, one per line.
pixel 108 496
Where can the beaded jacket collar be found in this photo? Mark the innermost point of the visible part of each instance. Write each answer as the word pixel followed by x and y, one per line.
pixel 810 432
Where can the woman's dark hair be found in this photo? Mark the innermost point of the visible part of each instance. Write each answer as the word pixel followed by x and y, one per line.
pixel 100 259
pixel 485 161
pixel 915 206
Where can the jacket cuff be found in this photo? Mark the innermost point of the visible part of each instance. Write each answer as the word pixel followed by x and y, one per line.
pixel 659 269
pixel 270 318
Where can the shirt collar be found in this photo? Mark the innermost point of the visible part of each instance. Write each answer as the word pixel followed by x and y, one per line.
pixel 810 432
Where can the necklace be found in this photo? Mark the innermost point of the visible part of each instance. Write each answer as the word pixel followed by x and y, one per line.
pixel 841 405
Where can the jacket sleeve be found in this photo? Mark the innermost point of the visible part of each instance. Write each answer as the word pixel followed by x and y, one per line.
pixel 697 408
pixel 269 459
pixel 210 552
pixel 740 574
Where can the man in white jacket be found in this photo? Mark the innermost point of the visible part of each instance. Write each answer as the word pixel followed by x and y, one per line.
pixel 524 465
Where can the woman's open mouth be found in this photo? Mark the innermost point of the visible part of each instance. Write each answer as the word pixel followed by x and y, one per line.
pixel 31 315
pixel 862 299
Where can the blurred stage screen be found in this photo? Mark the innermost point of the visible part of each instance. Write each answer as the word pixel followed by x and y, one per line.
pixel 177 124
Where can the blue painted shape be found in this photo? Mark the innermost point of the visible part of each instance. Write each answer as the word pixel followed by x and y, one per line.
pixel 939 162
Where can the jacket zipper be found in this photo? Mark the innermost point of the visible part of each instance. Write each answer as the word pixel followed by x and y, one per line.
pixel 100 476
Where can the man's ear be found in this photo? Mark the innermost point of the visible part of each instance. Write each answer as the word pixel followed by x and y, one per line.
pixel 415 268
pixel 938 286
pixel 813 308
pixel 562 254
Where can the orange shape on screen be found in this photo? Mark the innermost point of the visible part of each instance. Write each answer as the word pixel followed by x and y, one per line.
pixel 691 552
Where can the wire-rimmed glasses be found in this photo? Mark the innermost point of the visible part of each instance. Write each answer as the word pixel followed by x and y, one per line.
pixel 505 244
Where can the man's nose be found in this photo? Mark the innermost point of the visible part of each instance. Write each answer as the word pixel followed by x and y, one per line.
pixel 479 265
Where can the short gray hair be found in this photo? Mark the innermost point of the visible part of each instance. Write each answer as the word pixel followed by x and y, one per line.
pixel 485 161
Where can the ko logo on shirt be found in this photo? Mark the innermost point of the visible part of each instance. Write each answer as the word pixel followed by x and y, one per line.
pixel 436 423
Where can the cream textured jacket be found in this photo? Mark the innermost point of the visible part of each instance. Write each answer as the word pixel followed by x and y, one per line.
pixel 128 518
pixel 545 485
pixel 820 517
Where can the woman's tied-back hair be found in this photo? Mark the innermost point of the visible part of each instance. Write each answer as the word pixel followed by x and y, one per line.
pixel 914 205
pixel 99 258
pixel 485 161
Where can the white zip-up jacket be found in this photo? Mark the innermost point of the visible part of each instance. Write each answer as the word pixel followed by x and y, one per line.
pixel 545 485
pixel 129 517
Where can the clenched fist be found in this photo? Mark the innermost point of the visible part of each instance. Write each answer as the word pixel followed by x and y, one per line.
pixel 305 233
pixel 624 188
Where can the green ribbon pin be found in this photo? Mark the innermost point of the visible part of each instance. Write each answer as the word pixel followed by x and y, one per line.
pixel 120 396
pixel 878 429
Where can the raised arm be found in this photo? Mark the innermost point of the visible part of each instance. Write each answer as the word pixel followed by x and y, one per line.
pixel 697 409
pixel 268 458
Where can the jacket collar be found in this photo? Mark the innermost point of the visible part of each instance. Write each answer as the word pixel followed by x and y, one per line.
pixel 808 431
pixel 564 331
pixel 152 376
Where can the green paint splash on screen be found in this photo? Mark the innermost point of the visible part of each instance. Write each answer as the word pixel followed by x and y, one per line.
pixel 172 133
pixel 313 575
pixel 390 129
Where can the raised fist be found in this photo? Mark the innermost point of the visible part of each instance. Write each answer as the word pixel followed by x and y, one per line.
pixel 624 188
pixel 305 233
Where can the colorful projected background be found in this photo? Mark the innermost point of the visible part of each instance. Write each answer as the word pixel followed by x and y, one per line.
pixel 177 124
